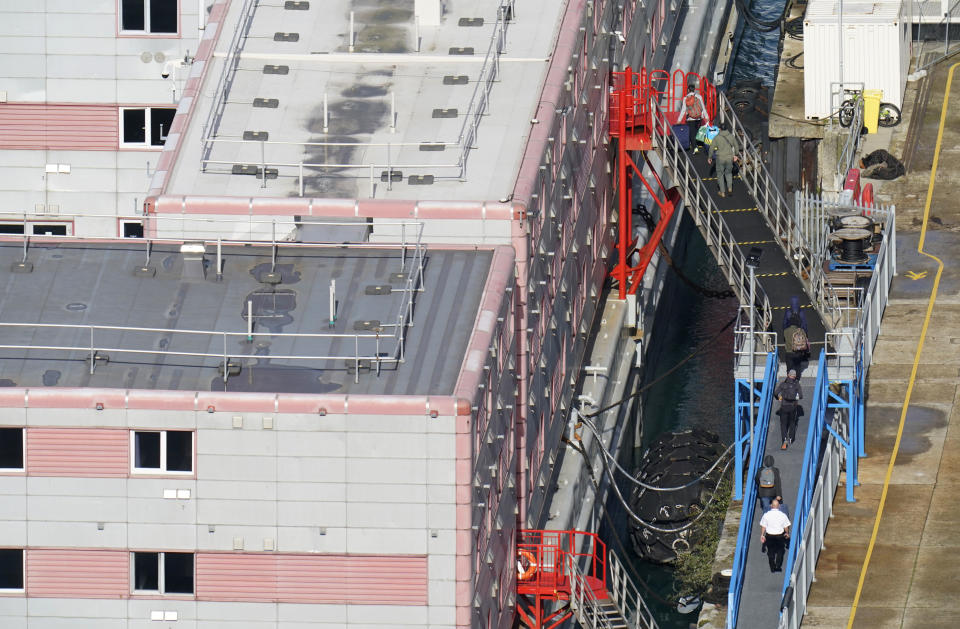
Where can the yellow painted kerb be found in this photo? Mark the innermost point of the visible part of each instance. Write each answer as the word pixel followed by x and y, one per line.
pixel 916 357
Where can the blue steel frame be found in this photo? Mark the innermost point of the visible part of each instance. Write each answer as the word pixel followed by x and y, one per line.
pixel 741 421
pixel 847 396
pixel 764 402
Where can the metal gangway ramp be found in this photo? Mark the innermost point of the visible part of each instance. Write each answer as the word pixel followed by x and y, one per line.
pixel 842 327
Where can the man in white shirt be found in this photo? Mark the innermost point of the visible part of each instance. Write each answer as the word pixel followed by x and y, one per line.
pixel 774 534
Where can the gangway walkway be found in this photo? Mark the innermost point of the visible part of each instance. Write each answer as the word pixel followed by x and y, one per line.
pixel 762 590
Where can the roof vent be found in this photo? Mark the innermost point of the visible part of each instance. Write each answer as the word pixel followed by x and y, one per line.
pixel 194 260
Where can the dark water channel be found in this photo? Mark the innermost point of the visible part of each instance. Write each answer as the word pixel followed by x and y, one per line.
pixel 698 394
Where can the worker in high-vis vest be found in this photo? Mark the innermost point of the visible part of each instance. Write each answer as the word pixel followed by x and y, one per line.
pixel 694 112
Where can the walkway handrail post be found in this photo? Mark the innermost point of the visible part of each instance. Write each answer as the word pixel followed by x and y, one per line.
pixel 750 493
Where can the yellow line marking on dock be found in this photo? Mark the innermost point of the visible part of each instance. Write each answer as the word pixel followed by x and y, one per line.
pixel 753 242
pixel 916 276
pixel 916 357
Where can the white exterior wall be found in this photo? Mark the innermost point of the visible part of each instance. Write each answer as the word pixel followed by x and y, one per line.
pixel 66 51
pixel 876 51
pixel 63 51
pixel 357 484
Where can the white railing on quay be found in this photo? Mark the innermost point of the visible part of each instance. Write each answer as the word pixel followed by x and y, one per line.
pixel 794 602
pixel 848 152
pixel 707 217
pixel 858 320
pixel 626 596
pixel 367 164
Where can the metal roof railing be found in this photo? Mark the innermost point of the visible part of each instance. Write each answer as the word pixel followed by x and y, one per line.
pixel 368 162
pixel 384 345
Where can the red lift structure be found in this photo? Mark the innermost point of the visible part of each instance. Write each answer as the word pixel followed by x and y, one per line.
pixel 558 567
pixel 633 123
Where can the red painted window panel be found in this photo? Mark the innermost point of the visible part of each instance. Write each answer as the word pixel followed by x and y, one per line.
pixel 63 127
pixel 84 452
pixel 332 579
pixel 76 573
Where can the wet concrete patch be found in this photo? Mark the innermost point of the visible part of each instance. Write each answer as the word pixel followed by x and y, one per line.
pixel 364 91
pixel 921 422
pixel 350 116
pixel 288 272
pixel 388 15
pixel 382 39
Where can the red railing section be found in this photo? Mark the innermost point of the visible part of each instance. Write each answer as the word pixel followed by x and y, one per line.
pixel 544 560
pixel 632 97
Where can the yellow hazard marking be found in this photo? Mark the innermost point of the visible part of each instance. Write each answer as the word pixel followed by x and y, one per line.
pixel 785 307
pixel 916 356
pixel 773 275
pixel 916 276
pixel 739 209
pixel 753 242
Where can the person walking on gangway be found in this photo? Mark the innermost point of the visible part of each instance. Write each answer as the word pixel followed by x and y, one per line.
pixel 796 340
pixel 774 534
pixel 693 111
pixel 789 392
pixel 768 483
pixel 723 149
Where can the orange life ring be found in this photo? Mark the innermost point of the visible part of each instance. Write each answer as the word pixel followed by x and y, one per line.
pixel 524 574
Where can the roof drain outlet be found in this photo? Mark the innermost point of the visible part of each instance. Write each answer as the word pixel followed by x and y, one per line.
pixel 194 260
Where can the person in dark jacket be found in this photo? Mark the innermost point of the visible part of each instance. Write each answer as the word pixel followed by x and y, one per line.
pixel 795 316
pixel 767 494
pixel 789 392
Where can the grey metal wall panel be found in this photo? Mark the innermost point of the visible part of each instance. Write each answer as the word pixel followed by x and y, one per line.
pixel 69 24
pixel 80 66
pixel 326 470
pixel 161 536
pixel 317 539
pixel 309 491
pixel 77 508
pixel 12 532
pixel 312 513
pixel 383 540
pixel 311 444
pixel 391 515
pixel 17 23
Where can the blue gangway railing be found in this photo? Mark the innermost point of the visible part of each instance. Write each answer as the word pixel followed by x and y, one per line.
pixel 764 406
pixel 811 463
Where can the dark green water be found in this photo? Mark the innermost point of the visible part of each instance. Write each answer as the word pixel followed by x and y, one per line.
pixel 698 394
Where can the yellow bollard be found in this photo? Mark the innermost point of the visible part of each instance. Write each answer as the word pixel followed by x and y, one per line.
pixel 871 109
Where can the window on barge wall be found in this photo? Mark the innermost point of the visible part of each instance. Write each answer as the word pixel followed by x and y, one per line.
pixel 11 569
pixel 11 449
pixel 145 126
pixel 163 573
pixel 162 452
pixel 151 17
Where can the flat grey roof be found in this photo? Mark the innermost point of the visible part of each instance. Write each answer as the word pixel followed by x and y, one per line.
pixel 385 74
pixel 77 285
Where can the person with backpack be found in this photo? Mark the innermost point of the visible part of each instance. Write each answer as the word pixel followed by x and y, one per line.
pixel 789 392
pixel 693 111
pixel 795 339
pixel 768 483
pixel 723 149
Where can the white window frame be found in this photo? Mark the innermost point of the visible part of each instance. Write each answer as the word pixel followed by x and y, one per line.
pixel 146 144
pixel 23 572
pixel 23 451
pixel 146 22
pixel 163 454
pixel 161 573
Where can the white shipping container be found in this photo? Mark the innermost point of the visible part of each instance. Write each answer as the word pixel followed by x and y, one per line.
pixel 876 52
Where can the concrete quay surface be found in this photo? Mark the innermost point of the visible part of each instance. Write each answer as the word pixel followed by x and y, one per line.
pixel 912 579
